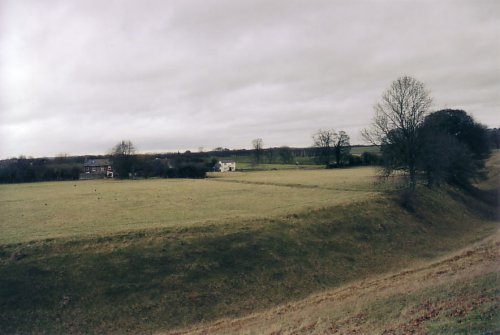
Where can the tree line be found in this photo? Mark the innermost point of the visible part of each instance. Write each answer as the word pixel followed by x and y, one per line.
pixel 432 147
pixel 164 165
pixel 27 170
pixel 445 146
pixel 127 164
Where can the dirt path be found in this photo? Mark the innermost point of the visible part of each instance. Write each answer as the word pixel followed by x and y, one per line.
pixel 398 303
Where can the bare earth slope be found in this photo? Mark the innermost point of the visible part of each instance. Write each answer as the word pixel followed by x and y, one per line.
pixel 457 294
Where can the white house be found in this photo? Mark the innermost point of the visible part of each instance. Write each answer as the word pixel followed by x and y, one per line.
pixel 225 166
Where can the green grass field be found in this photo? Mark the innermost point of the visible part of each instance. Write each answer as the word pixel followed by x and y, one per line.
pixel 249 166
pixel 149 256
pixel 246 163
pixel 62 209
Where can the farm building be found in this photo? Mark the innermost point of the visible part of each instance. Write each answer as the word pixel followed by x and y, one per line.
pixel 225 166
pixel 97 168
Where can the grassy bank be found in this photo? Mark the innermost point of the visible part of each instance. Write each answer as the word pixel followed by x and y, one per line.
pixel 164 278
pixel 457 294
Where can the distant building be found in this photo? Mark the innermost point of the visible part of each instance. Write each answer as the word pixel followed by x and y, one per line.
pixel 225 166
pixel 97 168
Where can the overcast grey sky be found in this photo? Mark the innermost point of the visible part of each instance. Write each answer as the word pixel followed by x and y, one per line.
pixel 77 76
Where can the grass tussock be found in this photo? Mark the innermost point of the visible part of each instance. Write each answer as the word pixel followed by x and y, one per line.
pixel 159 279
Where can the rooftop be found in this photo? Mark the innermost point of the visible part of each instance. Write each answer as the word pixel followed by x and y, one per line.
pixel 97 162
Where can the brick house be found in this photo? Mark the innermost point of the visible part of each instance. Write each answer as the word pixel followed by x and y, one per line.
pixel 97 168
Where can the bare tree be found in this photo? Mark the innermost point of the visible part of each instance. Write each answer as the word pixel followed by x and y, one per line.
pixel 395 126
pixel 341 146
pixel 124 160
pixel 258 146
pixel 323 141
pixel 125 148
pixel 330 143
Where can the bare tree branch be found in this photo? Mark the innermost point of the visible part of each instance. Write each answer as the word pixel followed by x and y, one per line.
pixel 398 115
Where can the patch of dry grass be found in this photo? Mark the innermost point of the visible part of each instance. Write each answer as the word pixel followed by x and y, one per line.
pixel 353 179
pixel 455 294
